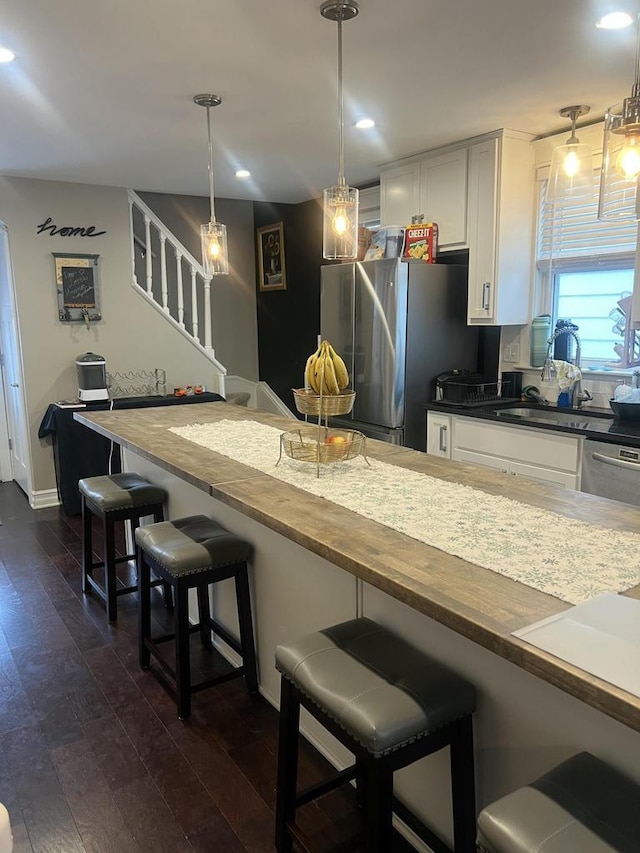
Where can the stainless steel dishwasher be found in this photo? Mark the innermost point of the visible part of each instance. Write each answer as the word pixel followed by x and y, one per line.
pixel 611 471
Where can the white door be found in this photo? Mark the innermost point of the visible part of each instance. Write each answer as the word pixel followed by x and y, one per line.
pixel 14 401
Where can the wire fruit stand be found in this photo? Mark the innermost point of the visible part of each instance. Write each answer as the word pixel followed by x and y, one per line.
pixel 322 444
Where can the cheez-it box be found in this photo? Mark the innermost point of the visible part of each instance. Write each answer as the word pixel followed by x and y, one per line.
pixel 421 242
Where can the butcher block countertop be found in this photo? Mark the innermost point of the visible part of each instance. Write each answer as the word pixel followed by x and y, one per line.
pixel 475 602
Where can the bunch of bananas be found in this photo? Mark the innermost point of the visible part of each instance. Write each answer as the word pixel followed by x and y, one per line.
pixel 325 371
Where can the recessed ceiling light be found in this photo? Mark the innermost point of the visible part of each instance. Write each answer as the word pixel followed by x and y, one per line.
pixel 365 123
pixel 614 21
pixel 6 55
pixel 243 173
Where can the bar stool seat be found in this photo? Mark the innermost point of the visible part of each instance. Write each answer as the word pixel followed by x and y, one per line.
pixel 581 806
pixel 390 705
pixel 192 553
pixel 113 498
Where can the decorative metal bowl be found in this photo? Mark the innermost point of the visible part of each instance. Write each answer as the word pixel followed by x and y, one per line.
pixel 320 444
pixel 310 403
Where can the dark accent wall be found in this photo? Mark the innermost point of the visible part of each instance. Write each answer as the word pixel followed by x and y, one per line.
pixel 289 320
pixel 488 336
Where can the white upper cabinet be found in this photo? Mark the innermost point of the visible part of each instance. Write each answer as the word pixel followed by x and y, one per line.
pixel 400 194
pixel 501 211
pixel 443 186
pixel 433 186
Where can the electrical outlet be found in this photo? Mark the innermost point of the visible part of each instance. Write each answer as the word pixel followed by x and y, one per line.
pixel 511 353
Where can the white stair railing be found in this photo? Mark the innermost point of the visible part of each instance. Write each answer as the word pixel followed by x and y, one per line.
pixel 164 279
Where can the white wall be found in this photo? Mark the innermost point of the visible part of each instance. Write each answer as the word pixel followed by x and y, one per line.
pixel 131 335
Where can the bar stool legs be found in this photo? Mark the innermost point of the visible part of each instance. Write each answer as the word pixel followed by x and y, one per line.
pixel 245 621
pixel 463 792
pixel 113 498
pixel 110 591
pixel 287 766
pixel 390 705
pixel 194 553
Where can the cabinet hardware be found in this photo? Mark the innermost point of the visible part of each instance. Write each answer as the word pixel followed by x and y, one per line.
pixel 485 295
pixel 443 439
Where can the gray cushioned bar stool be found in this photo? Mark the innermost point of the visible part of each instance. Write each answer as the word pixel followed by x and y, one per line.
pixel 113 498
pixel 581 806
pixel 191 553
pixel 390 705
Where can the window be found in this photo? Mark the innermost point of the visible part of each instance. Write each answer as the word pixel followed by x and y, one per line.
pixel 586 269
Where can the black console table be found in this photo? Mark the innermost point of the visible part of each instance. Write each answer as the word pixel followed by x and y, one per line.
pixel 80 452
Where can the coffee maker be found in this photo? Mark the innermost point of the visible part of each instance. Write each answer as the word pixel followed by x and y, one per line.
pixel 92 377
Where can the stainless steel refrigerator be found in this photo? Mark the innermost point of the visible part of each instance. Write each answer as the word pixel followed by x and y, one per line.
pixel 397 325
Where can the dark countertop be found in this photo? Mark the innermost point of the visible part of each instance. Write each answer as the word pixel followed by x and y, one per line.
pixel 596 424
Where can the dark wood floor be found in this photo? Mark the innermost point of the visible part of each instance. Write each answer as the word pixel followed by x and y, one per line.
pixel 92 755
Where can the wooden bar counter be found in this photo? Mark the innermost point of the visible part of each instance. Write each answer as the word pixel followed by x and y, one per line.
pixel 534 709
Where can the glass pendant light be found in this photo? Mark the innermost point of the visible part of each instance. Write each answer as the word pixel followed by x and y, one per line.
pixel 340 202
pixel 213 235
pixel 619 198
pixel 571 174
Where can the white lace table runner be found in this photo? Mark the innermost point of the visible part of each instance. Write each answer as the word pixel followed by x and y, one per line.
pixel 567 558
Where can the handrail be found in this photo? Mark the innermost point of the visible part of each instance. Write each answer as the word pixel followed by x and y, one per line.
pixel 171 237
pixel 176 284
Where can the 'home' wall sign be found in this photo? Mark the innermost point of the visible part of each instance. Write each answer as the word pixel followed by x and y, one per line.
pixel 68 230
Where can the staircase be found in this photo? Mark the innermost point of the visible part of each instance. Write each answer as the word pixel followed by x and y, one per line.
pixel 170 279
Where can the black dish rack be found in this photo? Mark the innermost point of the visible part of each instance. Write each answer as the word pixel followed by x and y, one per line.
pixel 474 392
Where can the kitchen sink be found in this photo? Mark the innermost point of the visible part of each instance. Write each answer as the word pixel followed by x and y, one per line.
pixel 578 418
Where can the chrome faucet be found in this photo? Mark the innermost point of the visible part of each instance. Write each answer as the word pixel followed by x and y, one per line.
pixel 578 395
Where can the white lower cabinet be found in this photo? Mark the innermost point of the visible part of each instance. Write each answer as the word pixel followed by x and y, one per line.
pixel 439 435
pixel 520 451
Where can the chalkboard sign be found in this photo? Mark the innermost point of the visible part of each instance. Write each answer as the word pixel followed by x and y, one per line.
pixel 77 286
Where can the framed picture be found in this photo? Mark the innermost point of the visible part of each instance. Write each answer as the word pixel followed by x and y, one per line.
pixel 78 289
pixel 272 273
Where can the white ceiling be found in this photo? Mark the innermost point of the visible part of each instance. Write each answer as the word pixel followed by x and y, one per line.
pixel 101 90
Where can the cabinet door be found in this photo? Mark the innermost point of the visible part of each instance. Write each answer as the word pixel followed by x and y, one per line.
pixel 439 435
pixel 537 447
pixel 400 194
pixel 545 475
pixel 483 188
pixel 443 196
pixel 480 459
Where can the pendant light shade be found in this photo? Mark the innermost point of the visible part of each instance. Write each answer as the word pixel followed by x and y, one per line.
pixel 621 155
pixel 571 174
pixel 213 235
pixel 340 202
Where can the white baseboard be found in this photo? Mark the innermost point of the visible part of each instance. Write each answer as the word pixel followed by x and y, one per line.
pixel 44 498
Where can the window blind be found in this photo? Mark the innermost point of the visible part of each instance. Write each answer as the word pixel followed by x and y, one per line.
pixel 569 231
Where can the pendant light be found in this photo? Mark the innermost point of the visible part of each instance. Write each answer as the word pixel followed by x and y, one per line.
pixel 340 202
pixel 621 155
pixel 213 235
pixel 571 174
